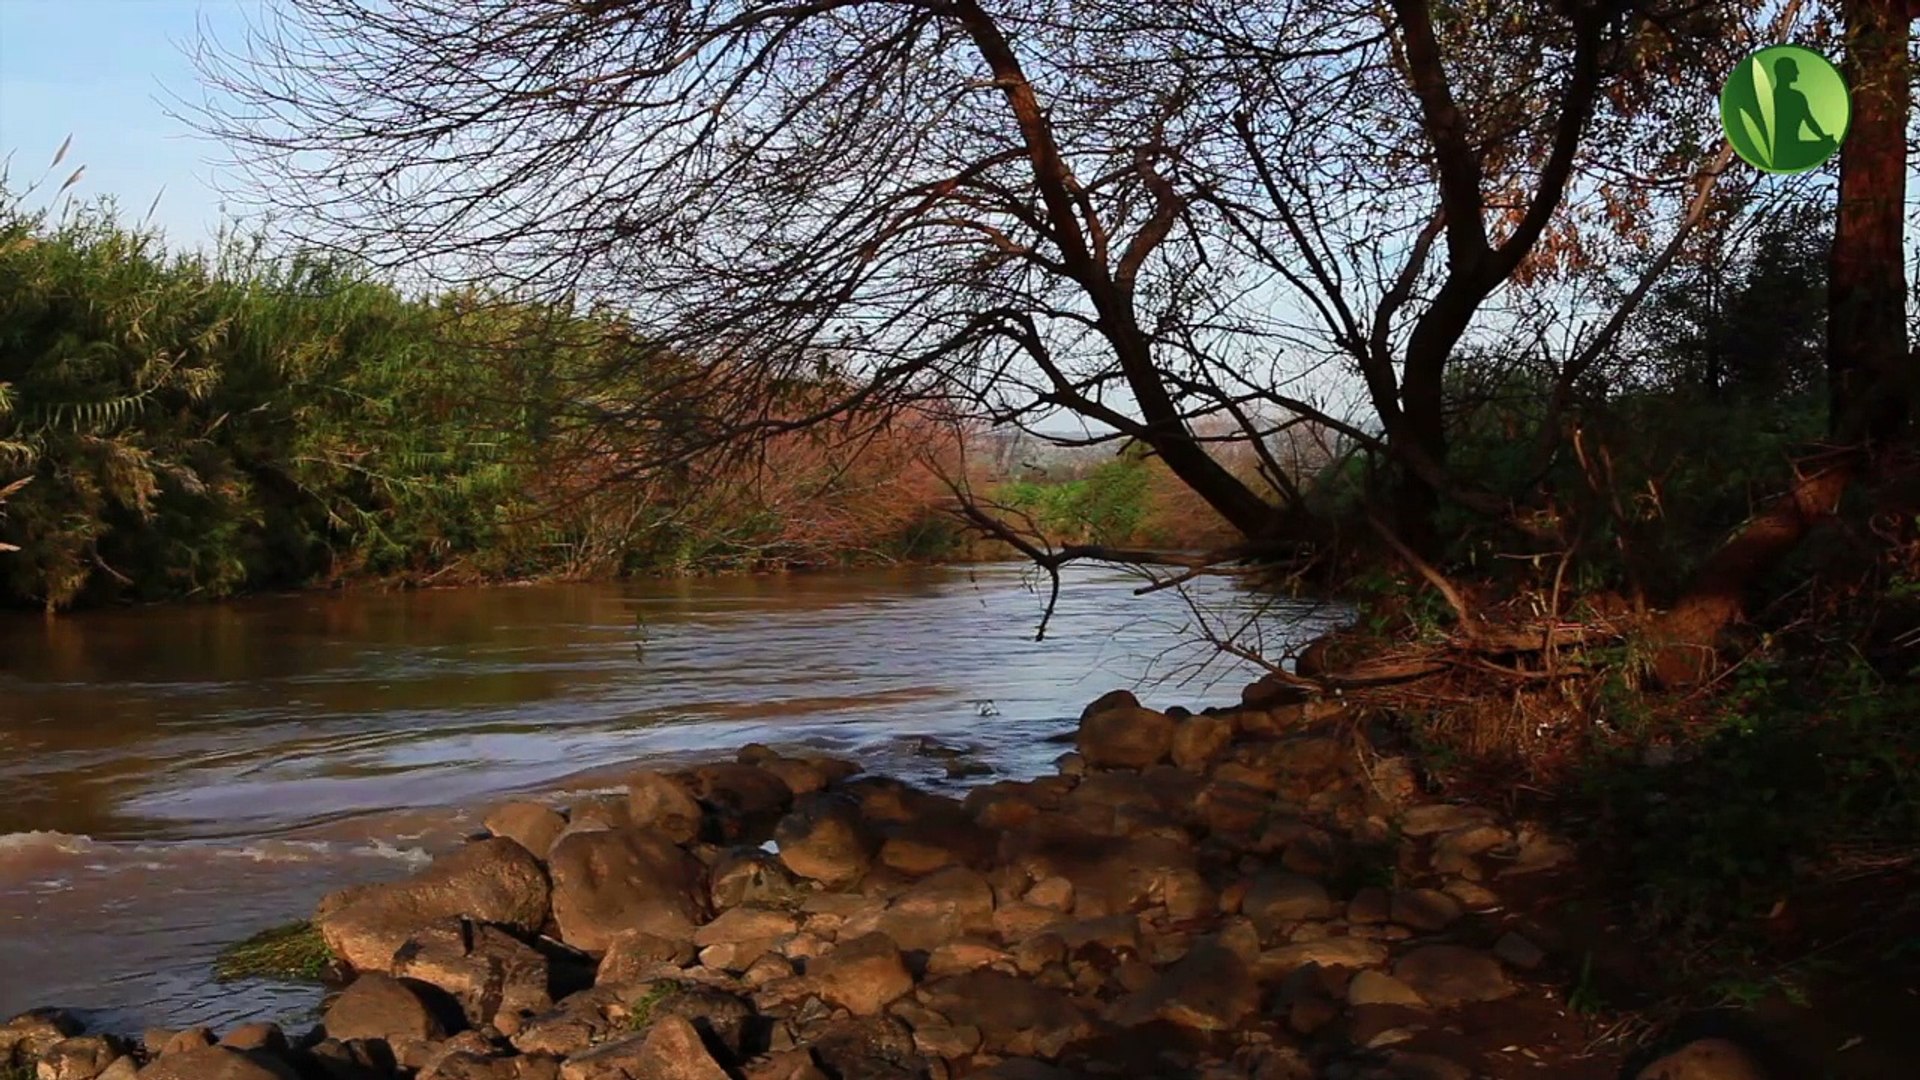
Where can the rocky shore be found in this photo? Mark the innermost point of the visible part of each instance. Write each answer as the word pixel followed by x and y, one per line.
pixel 1255 892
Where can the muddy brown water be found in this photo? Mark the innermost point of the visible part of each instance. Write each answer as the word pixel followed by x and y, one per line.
pixel 175 778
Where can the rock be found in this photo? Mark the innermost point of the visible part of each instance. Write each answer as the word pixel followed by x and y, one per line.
pixel 670 1050
pixel 1378 988
pixel 827 840
pixel 1224 807
pixel 1340 952
pixel 1023 1069
pixel 1537 852
pixel 580 1020
pixel 664 805
pixel 862 976
pixel 1112 699
pixel 470 1065
pixel 630 953
pixel 960 957
pixel 1199 741
pixel 624 879
pixel 260 1035
pixel 1209 989
pixel 1517 951
pixel 868 1048
pixel 746 924
pixel 80 1057
pixel 1453 975
pixel 495 880
pixel 787 1065
pixel 27 1036
pixel 1435 818
pixel 1014 1016
pixel 1053 893
pixel 597 812
pixel 218 1063
pixel 720 1017
pixel 378 1006
pixel 1424 909
pixel 121 1068
pixel 750 876
pixel 1371 904
pixel 1705 1059
pixel 353 1059
pixel 937 909
pixel 1277 897
pixel 744 800
pixel 532 825
pixel 492 976
pixel 192 1038
pixel 1125 737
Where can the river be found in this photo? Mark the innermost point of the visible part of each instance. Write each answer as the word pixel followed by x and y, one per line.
pixel 175 778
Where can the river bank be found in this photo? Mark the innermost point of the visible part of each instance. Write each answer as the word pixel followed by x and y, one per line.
pixel 180 777
pixel 1257 891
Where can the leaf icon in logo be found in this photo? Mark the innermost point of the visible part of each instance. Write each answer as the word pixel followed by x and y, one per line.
pixel 1763 96
pixel 1759 138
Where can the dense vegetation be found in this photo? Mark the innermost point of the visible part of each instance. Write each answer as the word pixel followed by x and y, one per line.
pixel 192 425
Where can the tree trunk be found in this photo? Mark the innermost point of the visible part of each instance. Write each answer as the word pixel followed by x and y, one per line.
pixel 1868 366
pixel 1869 376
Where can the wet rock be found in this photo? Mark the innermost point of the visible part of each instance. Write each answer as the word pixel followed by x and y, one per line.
pixel 1014 1016
pixel 492 976
pixel 670 1050
pixel 663 804
pixel 1428 910
pixel 1112 699
pixel 1127 737
pixel 624 879
pixel 1705 1059
pixel 378 1006
pixel 81 1057
pixel 495 881
pixel 862 976
pixel 27 1036
pixel 1379 988
pixel 1277 897
pixel 1453 975
pixel 1199 741
pixel 1209 989
pixel 218 1063
pixel 744 800
pixel 825 839
pixel 532 825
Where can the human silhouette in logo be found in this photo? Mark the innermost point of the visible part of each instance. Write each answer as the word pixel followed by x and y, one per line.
pixel 1790 111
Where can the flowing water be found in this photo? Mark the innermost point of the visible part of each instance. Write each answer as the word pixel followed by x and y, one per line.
pixel 175 778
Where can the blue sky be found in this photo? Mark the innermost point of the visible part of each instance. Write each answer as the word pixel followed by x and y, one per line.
pixel 104 72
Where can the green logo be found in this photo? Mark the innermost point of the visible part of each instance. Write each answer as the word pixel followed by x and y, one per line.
pixel 1785 109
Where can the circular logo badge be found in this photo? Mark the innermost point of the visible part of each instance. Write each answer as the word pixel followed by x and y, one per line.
pixel 1785 109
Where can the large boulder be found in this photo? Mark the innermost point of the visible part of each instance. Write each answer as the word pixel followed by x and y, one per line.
pixel 27 1036
pixel 1453 975
pixel 494 977
pixel 612 880
pixel 495 881
pixel 827 840
pixel 1125 737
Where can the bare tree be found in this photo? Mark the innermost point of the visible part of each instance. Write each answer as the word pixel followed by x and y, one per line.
pixel 1132 212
